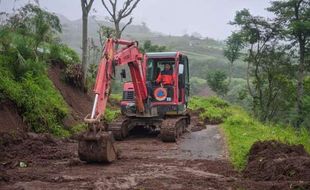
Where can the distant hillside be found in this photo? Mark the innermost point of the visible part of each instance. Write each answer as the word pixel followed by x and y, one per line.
pixel 205 54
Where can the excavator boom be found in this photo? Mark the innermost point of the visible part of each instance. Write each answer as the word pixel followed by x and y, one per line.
pixel 96 145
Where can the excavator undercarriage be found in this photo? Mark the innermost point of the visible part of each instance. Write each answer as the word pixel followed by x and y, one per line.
pixel 171 128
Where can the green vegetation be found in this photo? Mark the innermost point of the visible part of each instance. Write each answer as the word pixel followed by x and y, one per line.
pixel 111 114
pixel 197 84
pixel 211 110
pixel 149 47
pixel 41 105
pixel 81 127
pixel 63 53
pixel 27 44
pixel 276 51
pixel 113 111
pixel 242 130
pixel 116 97
pixel 217 82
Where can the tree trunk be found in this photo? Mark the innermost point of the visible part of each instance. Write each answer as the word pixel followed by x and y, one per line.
pixel 300 80
pixel 84 47
pixel 118 33
pixel 230 72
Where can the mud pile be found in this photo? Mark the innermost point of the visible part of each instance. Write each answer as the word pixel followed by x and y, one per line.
pixel 31 147
pixel 272 160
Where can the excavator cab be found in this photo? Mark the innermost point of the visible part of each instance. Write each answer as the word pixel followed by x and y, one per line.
pixel 166 104
pixel 173 98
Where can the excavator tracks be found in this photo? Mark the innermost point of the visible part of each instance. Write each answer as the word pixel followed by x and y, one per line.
pixel 173 128
pixel 119 128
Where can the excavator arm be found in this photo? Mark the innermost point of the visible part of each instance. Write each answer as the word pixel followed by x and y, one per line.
pixel 96 145
pixel 130 55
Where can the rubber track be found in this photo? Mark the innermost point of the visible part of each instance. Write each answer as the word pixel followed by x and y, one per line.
pixel 116 128
pixel 171 129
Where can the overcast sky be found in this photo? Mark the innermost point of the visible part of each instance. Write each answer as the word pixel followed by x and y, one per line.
pixel 175 17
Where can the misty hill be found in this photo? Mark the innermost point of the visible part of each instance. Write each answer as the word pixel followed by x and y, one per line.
pixel 206 54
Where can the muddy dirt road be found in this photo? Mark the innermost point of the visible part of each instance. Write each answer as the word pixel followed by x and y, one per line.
pixel 197 161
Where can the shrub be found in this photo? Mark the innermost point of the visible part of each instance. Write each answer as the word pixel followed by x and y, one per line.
pixel 111 114
pixel 81 127
pixel 211 110
pixel 74 75
pixel 197 84
pixel 63 53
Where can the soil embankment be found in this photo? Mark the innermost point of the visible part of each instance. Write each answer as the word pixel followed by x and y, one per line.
pixel 79 101
pixel 10 120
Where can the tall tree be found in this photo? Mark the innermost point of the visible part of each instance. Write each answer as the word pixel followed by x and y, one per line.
pixel 259 35
pixel 232 50
pixel 217 82
pixel 116 16
pixel 86 7
pixel 294 18
pixel 33 21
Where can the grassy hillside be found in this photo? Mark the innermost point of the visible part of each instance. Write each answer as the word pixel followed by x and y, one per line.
pixel 205 54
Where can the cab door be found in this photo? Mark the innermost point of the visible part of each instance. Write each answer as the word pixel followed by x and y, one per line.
pixel 183 77
pixel 186 75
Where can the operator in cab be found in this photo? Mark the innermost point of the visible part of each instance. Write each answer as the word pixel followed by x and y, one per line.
pixel 165 77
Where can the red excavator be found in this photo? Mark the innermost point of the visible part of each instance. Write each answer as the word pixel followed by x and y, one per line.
pixel 147 101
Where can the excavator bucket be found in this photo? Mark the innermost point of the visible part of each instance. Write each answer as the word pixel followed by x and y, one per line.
pixel 97 147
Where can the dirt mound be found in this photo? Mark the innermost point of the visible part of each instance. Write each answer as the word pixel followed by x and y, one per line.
pixel 10 120
pixel 272 160
pixel 79 101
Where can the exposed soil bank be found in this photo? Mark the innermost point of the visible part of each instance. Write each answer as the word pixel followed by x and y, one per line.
pixel 79 101
pixel 10 120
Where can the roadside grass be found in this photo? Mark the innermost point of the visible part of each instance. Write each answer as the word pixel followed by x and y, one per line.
pixel 111 114
pixel 210 110
pixel 113 110
pixel 116 97
pixel 242 130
